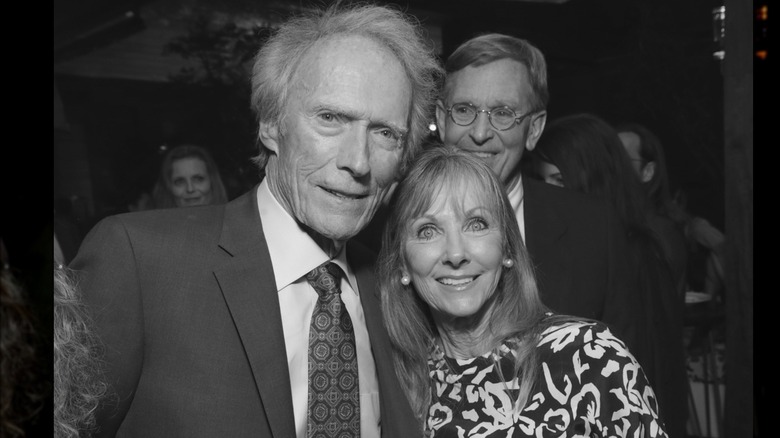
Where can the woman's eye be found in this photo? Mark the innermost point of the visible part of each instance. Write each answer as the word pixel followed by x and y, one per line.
pixel 426 232
pixel 477 225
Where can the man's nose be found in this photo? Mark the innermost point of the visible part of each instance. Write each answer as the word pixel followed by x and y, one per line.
pixel 481 129
pixel 354 153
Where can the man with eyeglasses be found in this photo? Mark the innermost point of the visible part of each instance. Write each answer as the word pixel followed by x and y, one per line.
pixel 493 104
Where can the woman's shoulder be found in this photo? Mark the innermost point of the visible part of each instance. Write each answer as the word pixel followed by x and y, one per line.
pixel 576 333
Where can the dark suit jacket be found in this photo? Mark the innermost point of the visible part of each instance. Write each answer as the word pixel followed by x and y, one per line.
pixel 580 252
pixel 186 303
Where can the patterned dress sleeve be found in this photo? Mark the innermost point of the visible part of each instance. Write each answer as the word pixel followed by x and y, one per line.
pixel 591 386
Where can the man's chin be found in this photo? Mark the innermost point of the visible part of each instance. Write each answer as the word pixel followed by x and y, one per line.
pixel 335 230
pixel 341 232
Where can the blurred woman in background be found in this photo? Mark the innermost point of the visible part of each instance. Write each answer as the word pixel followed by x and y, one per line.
pixel 189 176
pixel 586 154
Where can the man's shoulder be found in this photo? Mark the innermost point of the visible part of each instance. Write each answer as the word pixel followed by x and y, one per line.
pixel 174 221
pixel 169 219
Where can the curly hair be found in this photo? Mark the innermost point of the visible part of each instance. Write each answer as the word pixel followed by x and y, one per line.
pixel 78 384
pixel 22 387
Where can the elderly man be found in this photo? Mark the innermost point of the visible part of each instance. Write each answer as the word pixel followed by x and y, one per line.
pixel 493 105
pixel 259 318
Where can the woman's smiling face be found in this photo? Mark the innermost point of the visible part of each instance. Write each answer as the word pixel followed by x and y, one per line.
pixel 454 252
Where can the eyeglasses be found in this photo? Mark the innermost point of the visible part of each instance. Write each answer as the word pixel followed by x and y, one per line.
pixel 502 118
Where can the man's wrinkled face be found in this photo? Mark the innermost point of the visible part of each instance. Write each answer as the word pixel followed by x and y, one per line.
pixel 339 147
pixel 502 83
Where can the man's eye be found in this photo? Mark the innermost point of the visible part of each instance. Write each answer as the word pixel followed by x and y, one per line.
pixel 503 113
pixel 463 110
pixel 328 117
pixel 387 138
pixel 387 133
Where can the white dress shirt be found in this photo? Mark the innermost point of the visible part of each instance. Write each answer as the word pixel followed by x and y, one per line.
pixel 515 196
pixel 293 255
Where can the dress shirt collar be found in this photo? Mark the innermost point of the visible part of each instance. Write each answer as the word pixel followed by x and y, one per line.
pixel 293 252
pixel 515 192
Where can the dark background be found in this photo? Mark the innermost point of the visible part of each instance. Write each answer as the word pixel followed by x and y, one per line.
pixel 625 60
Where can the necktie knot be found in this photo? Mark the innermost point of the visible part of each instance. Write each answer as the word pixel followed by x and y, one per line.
pixel 325 279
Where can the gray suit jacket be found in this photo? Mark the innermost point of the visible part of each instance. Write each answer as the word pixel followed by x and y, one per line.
pixel 185 302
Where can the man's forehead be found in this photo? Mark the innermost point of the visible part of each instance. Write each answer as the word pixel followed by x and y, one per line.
pixel 354 76
pixel 503 80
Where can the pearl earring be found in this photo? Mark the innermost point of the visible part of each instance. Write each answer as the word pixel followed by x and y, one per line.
pixel 405 280
pixel 508 263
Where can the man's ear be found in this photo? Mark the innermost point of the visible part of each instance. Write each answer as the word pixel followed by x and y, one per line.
pixel 648 171
pixel 441 119
pixel 269 135
pixel 535 130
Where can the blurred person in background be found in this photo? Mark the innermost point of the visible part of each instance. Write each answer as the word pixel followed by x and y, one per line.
pixel 588 157
pixel 666 218
pixel 188 177
pixel 695 245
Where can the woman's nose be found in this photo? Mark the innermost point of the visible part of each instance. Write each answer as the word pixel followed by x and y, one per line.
pixel 455 251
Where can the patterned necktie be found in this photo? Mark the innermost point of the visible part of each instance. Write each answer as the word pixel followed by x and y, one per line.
pixel 334 398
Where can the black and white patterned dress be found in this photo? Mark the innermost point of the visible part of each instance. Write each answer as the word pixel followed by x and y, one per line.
pixel 591 387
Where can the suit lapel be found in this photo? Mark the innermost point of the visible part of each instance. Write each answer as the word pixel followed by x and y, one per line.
pixel 248 285
pixel 545 230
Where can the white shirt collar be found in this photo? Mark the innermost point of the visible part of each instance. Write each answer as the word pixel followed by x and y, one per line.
pixel 515 196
